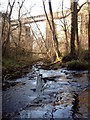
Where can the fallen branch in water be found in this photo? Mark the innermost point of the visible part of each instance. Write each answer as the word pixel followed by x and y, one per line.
pixel 53 63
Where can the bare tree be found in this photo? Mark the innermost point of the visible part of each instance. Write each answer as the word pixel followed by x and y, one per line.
pixel 76 27
pixel 54 32
pixel 65 28
pixel 73 26
pixel 6 43
pixel 76 21
pixel 88 25
pixel 19 20
pixel 52 27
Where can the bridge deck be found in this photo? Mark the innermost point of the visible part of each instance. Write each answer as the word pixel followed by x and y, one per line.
pixel 39 18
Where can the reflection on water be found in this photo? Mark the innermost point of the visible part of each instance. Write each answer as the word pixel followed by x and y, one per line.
pixel 39 84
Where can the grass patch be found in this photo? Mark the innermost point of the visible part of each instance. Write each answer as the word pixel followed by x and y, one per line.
pixel 11 63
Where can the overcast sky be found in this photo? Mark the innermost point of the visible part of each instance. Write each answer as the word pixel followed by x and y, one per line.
pixel 37 8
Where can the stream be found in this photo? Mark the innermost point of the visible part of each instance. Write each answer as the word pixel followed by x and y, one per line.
pixel 58 93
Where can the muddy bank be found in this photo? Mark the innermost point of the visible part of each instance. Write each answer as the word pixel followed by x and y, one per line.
pixel 13 73
pixel 14 69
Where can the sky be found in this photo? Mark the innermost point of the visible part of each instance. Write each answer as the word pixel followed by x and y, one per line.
pixel 36 6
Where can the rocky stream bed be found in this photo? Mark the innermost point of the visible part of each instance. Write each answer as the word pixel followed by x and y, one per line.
pixel 41 93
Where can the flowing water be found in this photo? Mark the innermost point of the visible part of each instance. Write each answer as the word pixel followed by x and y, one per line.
pixel 48 94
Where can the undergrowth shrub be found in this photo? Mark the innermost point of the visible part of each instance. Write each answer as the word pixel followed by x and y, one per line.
pixel 77 65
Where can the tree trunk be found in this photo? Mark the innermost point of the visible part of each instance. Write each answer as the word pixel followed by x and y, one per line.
pixel 19 19
pixel 20 32
pixel 73 25
pixel 54 32
pixel 65 30
pixel 76 28
pixel 7 42
pixel 88 25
